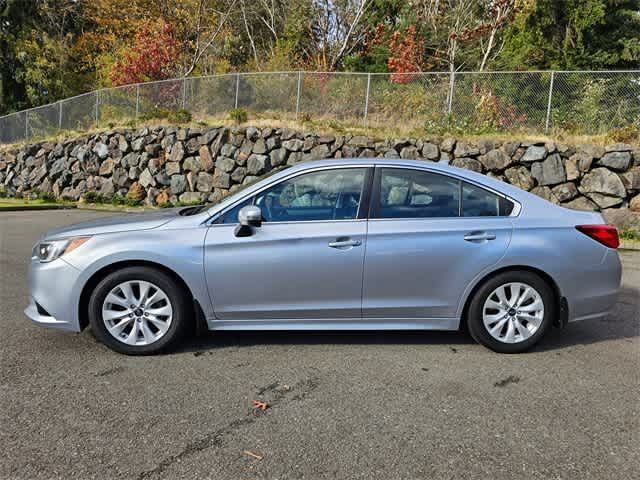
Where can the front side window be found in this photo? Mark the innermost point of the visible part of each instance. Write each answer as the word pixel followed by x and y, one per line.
pixel 231 215
pixel 405 193
pixel 333 194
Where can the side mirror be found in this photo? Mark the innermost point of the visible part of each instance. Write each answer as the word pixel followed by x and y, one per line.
pixel 248 217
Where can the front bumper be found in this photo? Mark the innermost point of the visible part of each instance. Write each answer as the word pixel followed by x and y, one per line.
pixel 52 288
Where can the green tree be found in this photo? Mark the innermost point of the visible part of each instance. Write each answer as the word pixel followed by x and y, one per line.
pixel 573 34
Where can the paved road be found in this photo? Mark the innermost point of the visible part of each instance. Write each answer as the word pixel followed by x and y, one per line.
pixel 366 405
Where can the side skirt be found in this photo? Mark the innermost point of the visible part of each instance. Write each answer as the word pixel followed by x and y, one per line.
pixel 342 324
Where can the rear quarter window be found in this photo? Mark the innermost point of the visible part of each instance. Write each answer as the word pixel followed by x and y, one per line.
pixel 478 202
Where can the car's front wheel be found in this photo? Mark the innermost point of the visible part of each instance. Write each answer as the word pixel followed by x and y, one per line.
pixel 138 311
pixel 511 312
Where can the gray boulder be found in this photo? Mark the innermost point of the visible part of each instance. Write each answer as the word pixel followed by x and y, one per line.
pixel 172 168
pixel 534 153
pixel 192 164
pixel 101 150
pixel 616 160
pixel 565 191
pixel 520 177
pixel 293 145
pixel 256 164
pixel 178 184
pixel 602 181
pixel 581 203
pixel 495 160
pixel 465 150
pixel 205 182
pixel 468 163
pixel 191 197
pixel 549 172
pixel 430 151
pixel 226 164
pixel 278 157
pixel 146 179
pixel 177 152
pixel 221 179
pixel 238 174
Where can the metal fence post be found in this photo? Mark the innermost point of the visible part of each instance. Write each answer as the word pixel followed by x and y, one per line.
pixel 26 124
pixel 184 92
pixel 452 78
pixel 298 94
pixel 60 115
pixel 546 123
pixel 137 100
pixel 235 104
pixel 366 100
pixel 97 107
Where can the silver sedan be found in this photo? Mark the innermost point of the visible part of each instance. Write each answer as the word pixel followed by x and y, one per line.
pixel 367 244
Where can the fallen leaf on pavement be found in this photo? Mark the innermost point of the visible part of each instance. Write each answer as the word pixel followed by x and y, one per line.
pixel 254 455
pixel 260 405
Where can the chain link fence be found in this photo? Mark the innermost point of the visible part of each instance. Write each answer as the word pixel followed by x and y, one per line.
pixel 586 102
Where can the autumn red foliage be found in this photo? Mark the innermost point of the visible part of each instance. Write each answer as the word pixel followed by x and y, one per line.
pixel 405 55
pixel 152 57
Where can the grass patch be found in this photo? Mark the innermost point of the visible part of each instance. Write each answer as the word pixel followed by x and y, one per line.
pixel 28 203
pixel 629 234
pixel 329 125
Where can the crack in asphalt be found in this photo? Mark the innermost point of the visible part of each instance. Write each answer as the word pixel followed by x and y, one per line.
pixel 216 438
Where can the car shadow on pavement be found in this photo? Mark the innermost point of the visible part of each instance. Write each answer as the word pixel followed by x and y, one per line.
pixel 210 340
pixel 622 323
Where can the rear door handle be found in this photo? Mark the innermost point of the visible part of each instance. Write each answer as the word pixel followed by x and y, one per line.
pixel 345 243
pixel 479 236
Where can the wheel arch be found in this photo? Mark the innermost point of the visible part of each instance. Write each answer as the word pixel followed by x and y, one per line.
pixel 560 301
pixel 97 276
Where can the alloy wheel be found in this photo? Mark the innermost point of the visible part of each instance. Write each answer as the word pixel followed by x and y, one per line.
pixel 513 312
pixel 137 312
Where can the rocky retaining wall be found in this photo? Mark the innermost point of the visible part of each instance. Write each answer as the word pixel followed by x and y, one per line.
pixel 166 165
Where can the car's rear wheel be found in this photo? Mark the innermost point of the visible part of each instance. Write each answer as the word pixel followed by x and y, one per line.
pixel 138 311
pixel 511 312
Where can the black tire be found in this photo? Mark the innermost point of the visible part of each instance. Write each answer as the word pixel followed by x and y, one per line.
pixel 475 322
pixel 178 299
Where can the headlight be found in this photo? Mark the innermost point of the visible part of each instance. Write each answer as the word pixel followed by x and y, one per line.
pixel 52 249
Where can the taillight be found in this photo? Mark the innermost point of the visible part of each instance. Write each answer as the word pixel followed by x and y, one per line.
pixel 607 235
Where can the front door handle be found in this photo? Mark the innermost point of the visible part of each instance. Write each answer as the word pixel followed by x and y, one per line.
pixel 345 243
pixel 479 236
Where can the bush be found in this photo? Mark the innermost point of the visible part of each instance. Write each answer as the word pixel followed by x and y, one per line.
pixel 46 197
pixel 238 115
pixel 173 116
pixel 94 197
pixel 118 199
pixel 179 116
pixel 629 235
pixel 627 134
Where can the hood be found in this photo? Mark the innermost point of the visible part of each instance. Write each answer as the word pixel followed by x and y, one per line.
pixel 117 223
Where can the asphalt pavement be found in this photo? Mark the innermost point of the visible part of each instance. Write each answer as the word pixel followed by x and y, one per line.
pixel 341 405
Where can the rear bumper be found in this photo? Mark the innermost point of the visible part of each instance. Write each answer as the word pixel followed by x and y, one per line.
pixel 592 293
pixel 51 286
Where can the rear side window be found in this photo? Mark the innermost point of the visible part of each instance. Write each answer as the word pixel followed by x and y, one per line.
pixel 408 193
pixel 478 202
pixel 416 194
